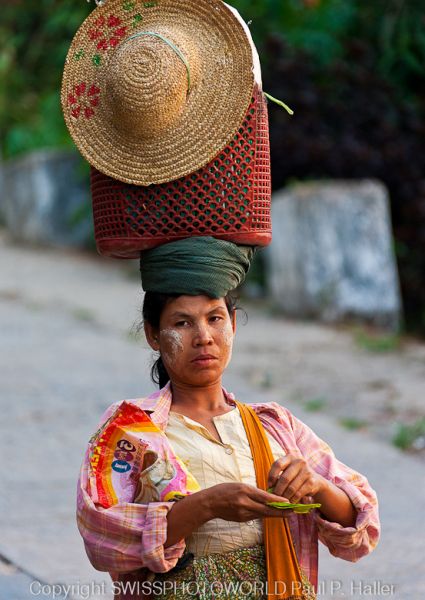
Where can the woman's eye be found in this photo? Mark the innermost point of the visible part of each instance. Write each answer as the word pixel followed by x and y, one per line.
pixel 182 323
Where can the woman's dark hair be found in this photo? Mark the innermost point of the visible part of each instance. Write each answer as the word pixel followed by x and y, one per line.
pixel 153 305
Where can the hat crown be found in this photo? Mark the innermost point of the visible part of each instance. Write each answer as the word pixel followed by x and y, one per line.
pixel 147 82
pixel 146 109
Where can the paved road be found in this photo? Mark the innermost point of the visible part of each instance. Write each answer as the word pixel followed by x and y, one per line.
pixel 65 354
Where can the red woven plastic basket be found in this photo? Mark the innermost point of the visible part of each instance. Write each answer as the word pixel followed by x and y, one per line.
pixel 229 198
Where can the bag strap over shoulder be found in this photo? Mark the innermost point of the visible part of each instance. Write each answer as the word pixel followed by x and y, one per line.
pixel 283 571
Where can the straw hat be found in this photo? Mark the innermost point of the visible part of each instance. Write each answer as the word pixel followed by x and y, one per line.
pixel 152 91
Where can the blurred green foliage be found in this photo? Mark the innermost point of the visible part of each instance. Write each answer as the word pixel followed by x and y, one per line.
pixel 353 423
pixel 316 26
pixel 377 342
pixel 410 436
pixel 35 36
pixel 315 404
pixel 34 39
pixel 394 28
pixel 397 30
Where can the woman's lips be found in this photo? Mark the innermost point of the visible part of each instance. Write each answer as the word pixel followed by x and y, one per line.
pixel 204 359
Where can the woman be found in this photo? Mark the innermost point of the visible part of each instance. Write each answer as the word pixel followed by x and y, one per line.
pixel 214 537
pixel 170 91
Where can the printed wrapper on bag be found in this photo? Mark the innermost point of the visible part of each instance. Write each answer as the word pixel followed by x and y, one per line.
pixel 117 452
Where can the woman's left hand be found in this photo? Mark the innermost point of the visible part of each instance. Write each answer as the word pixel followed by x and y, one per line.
pixel 292 478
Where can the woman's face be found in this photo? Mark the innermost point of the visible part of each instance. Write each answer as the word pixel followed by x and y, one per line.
pixel 195 339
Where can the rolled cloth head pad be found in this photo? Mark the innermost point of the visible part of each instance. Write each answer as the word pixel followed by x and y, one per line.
pixel 195 266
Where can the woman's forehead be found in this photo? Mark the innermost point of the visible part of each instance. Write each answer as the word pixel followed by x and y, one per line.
pixel 189 305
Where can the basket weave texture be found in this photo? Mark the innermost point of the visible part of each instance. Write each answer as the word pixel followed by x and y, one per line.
pixel 228 199
pixel 132 106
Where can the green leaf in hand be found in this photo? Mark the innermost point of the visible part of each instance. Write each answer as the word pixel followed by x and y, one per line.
pixel 297 508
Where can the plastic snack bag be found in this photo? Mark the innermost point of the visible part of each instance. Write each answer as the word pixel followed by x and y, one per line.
pixel 117 452
pixel 116 456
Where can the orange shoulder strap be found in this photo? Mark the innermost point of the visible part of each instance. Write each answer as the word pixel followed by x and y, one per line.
pixel 283 571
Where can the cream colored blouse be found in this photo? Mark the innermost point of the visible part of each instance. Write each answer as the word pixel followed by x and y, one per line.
pixel 213 462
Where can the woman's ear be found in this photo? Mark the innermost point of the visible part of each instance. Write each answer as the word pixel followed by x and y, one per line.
pixel 152 336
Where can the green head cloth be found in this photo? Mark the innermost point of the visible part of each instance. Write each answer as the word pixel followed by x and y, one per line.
pixel 195 266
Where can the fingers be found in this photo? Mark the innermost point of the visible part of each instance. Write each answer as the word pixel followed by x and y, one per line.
pixel 261 496
pixel 293 478
pixel 245 502
pixel 290 483
pixel 275 470
pixel 301 494
pixel 261 510
pixel 257 504
pixel 307 499
pixel 300 491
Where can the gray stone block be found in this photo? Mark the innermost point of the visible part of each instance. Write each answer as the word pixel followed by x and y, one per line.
pixel 45 199
pixel 332 253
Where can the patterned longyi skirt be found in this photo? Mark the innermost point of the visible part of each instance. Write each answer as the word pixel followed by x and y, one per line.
pixel 239 574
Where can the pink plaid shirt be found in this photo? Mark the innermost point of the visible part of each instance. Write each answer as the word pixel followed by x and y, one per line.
pixel 127 536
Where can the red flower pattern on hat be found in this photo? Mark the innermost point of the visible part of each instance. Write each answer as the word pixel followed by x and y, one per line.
pixel 83 99
pixel 107 32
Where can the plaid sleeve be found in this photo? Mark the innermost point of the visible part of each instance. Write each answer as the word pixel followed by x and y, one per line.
pixel 126 536
pixel 349 543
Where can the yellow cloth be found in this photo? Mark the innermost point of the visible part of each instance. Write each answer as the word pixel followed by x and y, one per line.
pixel 281 559
pixel 213 462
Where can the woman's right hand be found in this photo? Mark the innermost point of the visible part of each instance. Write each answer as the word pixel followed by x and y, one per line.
pixel 242 502
pixel 229 501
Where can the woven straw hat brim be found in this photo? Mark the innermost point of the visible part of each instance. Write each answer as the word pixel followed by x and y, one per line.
pixel 214 108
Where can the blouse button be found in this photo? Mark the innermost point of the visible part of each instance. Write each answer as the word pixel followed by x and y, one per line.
pixel 228 450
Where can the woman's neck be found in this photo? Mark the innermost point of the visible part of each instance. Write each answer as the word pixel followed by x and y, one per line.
pixel 202 400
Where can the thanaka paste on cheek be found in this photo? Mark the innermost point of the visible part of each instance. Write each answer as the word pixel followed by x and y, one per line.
pixel 228 336
pixel 173 341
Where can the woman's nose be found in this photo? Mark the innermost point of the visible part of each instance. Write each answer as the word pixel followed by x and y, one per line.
pixel 202 335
